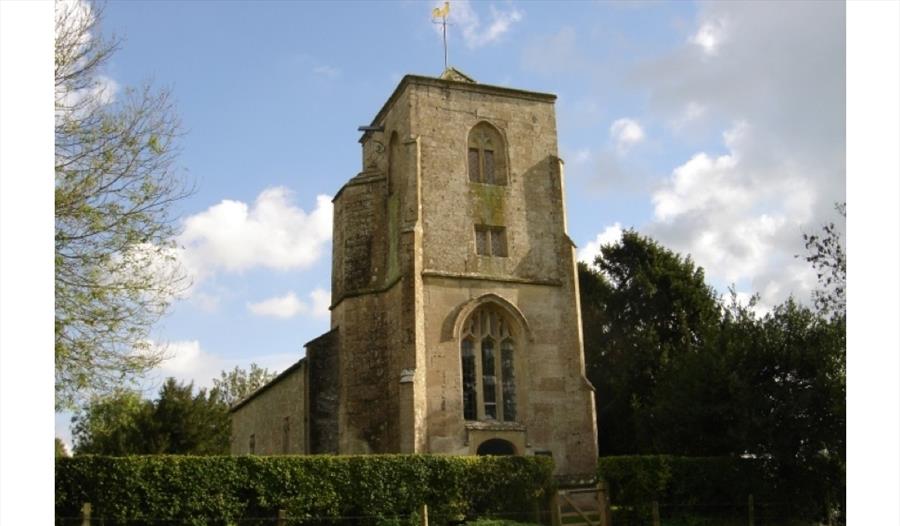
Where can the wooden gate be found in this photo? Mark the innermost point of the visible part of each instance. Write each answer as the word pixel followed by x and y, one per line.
pixel 585 506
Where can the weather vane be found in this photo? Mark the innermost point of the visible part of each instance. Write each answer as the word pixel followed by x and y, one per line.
pixel 442 13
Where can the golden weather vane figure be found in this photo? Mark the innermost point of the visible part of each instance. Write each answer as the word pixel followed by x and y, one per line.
pixel 442 13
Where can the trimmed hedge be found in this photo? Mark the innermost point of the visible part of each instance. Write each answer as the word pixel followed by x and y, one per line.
pixel 642 479
pixel 720 483
pixel 370 489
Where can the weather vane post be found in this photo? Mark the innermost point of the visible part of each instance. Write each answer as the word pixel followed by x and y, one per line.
pixel 442 13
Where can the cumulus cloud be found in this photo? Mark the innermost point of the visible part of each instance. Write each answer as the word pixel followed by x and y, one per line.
pixel 273 232
pixel 776 73
pixel 286 306
pixel 188 361
pixel 692 111
pixel 590 251
pixel 474 33
pixel 290 305
pixel 626 133
pixel 709 35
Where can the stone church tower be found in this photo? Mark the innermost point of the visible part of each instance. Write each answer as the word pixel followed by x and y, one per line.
pixel 455 322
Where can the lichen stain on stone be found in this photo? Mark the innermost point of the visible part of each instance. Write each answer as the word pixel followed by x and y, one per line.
pixel 488 203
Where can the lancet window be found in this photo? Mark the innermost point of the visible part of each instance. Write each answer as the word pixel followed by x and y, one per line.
pixel 486 155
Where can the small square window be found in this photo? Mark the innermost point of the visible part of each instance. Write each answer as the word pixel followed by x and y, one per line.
pixel 490 241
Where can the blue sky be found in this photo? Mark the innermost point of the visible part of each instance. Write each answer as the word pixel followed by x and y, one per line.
pixel 715 128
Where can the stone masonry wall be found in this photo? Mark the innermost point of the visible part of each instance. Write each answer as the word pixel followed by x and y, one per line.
pixel 323 362
pixel 281 402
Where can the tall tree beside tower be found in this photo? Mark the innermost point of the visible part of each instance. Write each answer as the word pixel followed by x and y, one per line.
pixel 116 270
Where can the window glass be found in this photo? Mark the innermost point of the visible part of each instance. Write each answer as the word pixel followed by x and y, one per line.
pixel 489 381
pixel 488 175
pixel 468 378
pixel 474 167
pixel 487 354
pixel 498 242
pixel 509 380
pixel 481 241
pixel 487 155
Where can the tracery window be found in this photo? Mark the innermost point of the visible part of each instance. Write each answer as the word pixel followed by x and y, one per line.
pixel 487 155
pixel 487 351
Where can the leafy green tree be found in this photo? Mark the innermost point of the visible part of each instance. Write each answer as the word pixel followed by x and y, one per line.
pixel 115 185
pixel 179 421
pixel 643 307
pixel 113 424
pixel 825 251
pixel 188 423
pixel 238 383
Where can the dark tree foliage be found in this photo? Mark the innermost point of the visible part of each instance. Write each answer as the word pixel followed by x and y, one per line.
pixel 643 308
pixel 188 423
pixel 681 371
pixel 177 422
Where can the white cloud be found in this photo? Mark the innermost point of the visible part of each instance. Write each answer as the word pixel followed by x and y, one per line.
pixel 736 223
pixel 626 133
pixel 610 234
pixel 188 361
pixel 710 35
pixel 463 16
pixel 286 306
pixel 290 305
pixel 779 75
pixel 582 156
pixel 320 303
pixel 692 111
pixel 271 233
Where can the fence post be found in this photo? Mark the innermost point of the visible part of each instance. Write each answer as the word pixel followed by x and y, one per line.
pixel 750 509
pixel 86 514
pixel 555 519
pixel 423 515
pixel 654 511
pixel 603 498
pixel 282 518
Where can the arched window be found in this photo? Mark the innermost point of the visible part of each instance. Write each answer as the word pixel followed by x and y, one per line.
pixel 487 155
pixel 487 351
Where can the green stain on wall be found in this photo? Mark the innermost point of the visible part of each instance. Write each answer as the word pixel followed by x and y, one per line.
pixel 487 203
